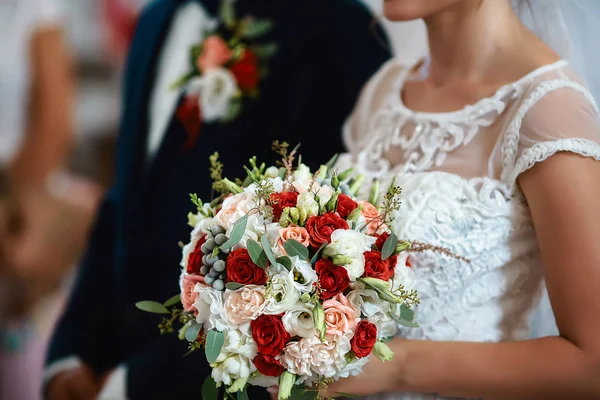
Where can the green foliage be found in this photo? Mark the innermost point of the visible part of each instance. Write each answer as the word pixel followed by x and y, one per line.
pixel 173 301
pixel 295 248
pixel 152 307
pixel 285 261
pixel 389 247
pixel 209 389
pixel 214 342
pixel 192 332
pixel 239 228
pixel 264 240
pixel 257 254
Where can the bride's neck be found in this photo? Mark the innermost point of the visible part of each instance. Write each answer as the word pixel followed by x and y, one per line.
pixel 466 39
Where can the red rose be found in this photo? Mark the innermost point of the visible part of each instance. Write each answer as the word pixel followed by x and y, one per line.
pixel 241 269
pixel 269 334
pixel 364 339
pixel 195 259
pixel 345 205
pixel 189 115
pixel 333 279
pixel 321 228
pixel 245 71
pixel 268 365
pixel 281 201
pixel 393 260
pixel 375 267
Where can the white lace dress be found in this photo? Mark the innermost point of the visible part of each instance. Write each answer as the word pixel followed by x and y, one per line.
pixel 458 172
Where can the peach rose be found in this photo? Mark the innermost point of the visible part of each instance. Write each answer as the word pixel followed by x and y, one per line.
pixel 235 207
pixel 340 315
pixel 244 305
pixel 188 295
pixel 373 217
pixel 215 53
pixel 297 233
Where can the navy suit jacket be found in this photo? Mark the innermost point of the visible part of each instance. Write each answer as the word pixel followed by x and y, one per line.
pixel 327 51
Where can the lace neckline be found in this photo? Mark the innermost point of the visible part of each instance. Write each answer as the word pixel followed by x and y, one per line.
pixel 463 113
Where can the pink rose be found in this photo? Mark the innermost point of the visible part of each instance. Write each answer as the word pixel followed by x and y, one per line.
pixel 373 217
pixel 215 53
pixel 297 233
pixel 188 295
pixel 340 316
pixel 244 305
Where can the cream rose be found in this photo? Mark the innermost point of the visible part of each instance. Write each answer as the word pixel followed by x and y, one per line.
pixel 188 294
pixel 297 233
pixel 340 316
pixel 233 208
pixel 244 305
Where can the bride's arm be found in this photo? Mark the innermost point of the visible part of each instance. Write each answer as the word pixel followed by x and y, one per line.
pixel 563 193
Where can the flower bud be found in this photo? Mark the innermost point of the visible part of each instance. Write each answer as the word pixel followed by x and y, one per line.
pixel 344 175
pixel 332 203
pixel 374 195
pixel 355 214
pixel 232 187
pixel 294 215
pixel 183 330
pixel 272 172
pixel 355 187
pixel 319 318
pixel 286 383
pixel 285 216
pixel 341 260
pixel 193 219
pixel 375 283
pixel 322 172
pixel 303 216
pixel 388 296
pixel 305 298
pixel 402 247
pixel 238 385
pixel 383 351
pixel 335 181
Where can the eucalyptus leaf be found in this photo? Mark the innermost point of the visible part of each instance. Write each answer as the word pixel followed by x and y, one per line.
pixel 181 81
pixel 257 254
pixel 173 300
pixel 285 261
pixel 295 248
pixel 227 13
pixel 389 246
pixel 254 28
pixel 209 389
pixel 265 50
pixel 303 394
pixel 152 307
pixel 315 258
pixel 243 395
pixel 406 313
pixel 264 240
pixel 214 343
pixel 233 285
pixel 192 333
pixel 403 322
pixel 239 228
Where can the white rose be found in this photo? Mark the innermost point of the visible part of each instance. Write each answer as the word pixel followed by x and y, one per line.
pixel 234 361
pixel 305 274
pixel 216 88
pixel 233 208
pixel 209 304
pixel 284 293
pixel 306 201
pixel 272 172
pixel 351 244
pixel 298 320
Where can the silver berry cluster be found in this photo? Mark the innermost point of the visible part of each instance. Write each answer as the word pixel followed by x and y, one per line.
pixel 213 263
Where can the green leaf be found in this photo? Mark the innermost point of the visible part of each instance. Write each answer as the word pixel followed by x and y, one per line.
pixel 233 111
pixel 209 389
pixel 257 254
pixel 227 14
pixel 303 394
pixel 243 395
pixel 264 240
pixel 233 285
pixel 173 300
pixel 403 322
pixel 295 248
pixel 285 261
pixel 282 173
pixel 331 163
pixel 152 307
pixel 214 342
pixel 315 258
pixel 239 228
pixel 265 50
pixel 192 333
pixel 389 246
pixel 254 28
pixel 181 81
pixel 406 313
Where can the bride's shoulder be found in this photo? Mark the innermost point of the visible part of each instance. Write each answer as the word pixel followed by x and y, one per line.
pixel 389 71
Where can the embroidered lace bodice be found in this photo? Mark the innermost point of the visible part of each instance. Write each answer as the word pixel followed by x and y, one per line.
pixel 458 171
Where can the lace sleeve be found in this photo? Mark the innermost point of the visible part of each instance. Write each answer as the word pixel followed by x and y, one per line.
pixel 356 128
pixel 558 116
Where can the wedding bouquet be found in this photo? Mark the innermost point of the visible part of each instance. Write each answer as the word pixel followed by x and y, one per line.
pixel 289 280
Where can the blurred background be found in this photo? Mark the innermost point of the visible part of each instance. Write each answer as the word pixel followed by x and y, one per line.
pixel 60 70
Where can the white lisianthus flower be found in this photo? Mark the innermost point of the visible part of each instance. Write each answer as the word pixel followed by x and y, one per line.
pixel 283 294
pixel 375 309
pixel 209 304
pixel 353 368
pixel 302 173
pixel 305 274
pixel 325 192
pixel 298 320
pixel 306 201
pixel 216 88
pixel 350 244
pixel 272 172
pixel 235 360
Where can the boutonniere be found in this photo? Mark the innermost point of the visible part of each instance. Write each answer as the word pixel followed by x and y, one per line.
pixel 226 67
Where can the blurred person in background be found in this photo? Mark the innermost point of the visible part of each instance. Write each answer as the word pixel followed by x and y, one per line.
pixel 103 346
pixel 44 212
